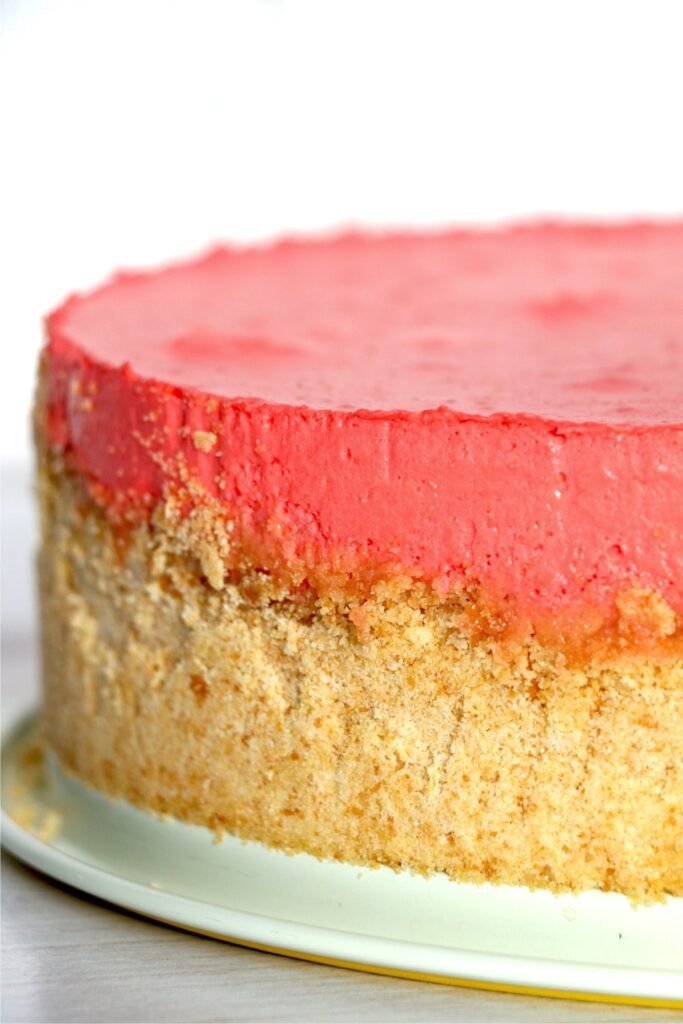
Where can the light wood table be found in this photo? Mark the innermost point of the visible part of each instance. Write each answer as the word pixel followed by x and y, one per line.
pixel 67 957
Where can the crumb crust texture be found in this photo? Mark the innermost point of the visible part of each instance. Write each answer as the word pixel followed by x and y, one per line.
pixel 373 731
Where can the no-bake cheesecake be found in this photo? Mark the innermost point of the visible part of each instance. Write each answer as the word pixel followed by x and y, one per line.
pixel 372 547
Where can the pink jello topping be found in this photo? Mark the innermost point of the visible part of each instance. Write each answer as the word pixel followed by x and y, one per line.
pixel 499 409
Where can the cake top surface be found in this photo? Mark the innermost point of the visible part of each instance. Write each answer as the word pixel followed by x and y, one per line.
pixel 577 323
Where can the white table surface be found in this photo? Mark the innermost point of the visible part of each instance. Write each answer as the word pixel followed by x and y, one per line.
pixel 68 957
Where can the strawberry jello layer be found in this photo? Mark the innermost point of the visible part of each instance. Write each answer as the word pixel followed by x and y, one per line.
pixel 498 411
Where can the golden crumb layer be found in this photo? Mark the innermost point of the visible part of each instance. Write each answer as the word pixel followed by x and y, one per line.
pixel 377 731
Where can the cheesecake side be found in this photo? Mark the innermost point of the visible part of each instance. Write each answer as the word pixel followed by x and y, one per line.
pixel 441 632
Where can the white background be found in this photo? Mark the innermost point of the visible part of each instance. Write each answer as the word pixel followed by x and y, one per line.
pixel 134 131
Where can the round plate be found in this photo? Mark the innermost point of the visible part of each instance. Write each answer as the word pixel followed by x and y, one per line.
pixel 591 946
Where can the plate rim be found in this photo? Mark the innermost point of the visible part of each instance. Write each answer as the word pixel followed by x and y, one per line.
pixel 649 986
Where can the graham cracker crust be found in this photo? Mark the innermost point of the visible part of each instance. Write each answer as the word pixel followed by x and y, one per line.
pixel 374 730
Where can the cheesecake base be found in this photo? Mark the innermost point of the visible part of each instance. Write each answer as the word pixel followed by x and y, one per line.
pixel 381 731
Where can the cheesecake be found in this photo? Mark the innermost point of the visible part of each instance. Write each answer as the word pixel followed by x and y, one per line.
pixel 371 546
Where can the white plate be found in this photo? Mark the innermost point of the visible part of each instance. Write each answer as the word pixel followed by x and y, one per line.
pixel 592 946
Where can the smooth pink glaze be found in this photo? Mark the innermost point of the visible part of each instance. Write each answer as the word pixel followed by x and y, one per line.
pixel 501 408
